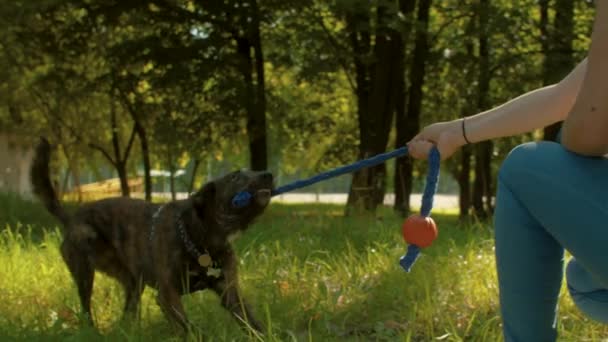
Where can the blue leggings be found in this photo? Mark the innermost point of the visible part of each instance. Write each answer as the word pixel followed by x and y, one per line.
pixel 549 200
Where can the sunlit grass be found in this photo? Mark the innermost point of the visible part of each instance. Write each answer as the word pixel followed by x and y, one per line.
pixel 309 273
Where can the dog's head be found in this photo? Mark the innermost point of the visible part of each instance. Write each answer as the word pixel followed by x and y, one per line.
pixel 214 200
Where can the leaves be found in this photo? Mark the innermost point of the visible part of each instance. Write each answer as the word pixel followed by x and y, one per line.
pixel 175 65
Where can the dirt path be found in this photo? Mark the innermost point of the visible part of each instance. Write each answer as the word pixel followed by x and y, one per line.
pixel 440 201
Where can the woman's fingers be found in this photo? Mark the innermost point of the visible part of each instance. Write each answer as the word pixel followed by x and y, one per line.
pixel 430 133
pixel 419 149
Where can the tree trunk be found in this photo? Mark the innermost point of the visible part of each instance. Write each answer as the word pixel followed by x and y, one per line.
pixel 74 170
pixel 482 186
pixel 483 190
pixel 404 129
pixel 64 183
pixel 560 59
pixel 255 92
pixel 544 29
pixel 142 135
pixel 463 173
pixel 369 185
pixel 76 179
pixel 172 169
pixel 172 185
pixel 120 160
pixel 464 183
pixel 417 76
pixel 257 123
pixel 121 169
pixel 140 130
pixel 360 41
pixel 145 151
pixel 557 46
pixel 195 167
pixel 120 164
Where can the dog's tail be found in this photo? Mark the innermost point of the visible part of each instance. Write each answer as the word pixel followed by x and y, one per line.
pixel 41 182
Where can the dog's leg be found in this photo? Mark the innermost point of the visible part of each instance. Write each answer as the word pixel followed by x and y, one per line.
pixel 133 288
pixel 83 273
pixel 228 290
pixel 171 304
pixel 234 302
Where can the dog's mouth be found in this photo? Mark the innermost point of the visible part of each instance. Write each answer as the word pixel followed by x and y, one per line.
pixel 262 197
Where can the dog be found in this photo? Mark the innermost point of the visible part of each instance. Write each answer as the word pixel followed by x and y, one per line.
pixel 177 248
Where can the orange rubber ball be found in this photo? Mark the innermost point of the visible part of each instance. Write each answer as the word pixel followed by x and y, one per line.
pixel 419 230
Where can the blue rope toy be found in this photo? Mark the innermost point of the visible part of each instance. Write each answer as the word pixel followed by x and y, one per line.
pixel 243 199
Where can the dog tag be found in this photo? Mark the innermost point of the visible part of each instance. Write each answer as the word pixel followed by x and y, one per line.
pixel 205 260
pixel 214 272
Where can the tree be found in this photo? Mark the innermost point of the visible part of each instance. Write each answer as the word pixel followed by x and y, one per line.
pixel 482 185
pixel 557 40
pixel 377 55
pixel 251 55
pixel 319 82
pixel 408 121
pixel 120 156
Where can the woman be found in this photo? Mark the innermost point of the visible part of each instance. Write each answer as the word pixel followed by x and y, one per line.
pixel 550 196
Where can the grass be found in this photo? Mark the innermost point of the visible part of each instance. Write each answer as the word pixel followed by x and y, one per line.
pixel 310 275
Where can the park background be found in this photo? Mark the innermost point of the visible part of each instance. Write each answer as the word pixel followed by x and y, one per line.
pixel 151 99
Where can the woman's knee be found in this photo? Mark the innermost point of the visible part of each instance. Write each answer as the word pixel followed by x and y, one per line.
pixel 526 157
pixel 586 292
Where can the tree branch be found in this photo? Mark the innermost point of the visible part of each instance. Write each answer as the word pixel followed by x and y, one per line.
pixel 196 16
pixel 129 144
pixel 433 38
pixel 103 151
pixel 114 128
pixel 336 47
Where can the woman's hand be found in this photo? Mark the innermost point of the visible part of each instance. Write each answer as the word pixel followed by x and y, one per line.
pixel 447 136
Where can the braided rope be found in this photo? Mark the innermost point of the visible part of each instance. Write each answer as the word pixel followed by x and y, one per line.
pixel 432 178
pixel 242 199
pixel 365 163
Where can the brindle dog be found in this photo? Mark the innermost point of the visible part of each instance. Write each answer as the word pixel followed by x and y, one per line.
pixel 178 248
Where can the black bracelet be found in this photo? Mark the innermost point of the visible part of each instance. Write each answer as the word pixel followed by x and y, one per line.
pixel 464 132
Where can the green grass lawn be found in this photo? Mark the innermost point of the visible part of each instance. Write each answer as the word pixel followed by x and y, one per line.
pixel 310 275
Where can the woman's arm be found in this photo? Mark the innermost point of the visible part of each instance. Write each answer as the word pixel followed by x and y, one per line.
pixel 535 109
pixel 586 127
pixel 530 111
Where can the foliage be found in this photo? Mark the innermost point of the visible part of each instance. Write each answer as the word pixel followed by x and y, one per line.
pixel 174 67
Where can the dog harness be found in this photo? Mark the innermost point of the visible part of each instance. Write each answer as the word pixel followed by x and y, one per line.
pixel 204 259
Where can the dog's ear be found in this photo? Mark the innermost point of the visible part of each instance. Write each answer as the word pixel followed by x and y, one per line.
pixel 204 197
